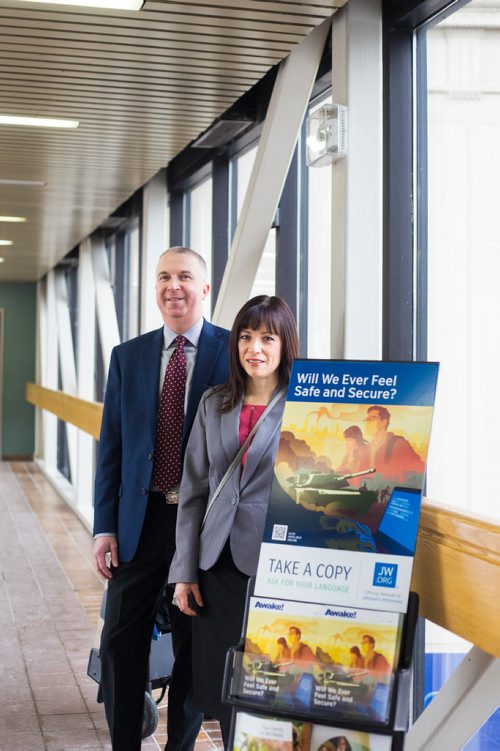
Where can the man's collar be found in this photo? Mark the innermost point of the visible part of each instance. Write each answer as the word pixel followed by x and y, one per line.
pixel 192 334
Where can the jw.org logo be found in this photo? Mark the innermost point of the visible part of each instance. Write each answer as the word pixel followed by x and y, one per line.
pixel 385 575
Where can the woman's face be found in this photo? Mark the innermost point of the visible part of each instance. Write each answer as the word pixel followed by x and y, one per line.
pixel 260 352
pixel 350 444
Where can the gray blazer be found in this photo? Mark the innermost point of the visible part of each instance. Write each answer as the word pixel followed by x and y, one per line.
pixel 239 512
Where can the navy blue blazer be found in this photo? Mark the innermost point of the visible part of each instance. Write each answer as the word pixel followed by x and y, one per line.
pixel 128 429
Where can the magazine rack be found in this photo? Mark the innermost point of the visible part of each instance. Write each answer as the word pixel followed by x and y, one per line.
pixel 394 726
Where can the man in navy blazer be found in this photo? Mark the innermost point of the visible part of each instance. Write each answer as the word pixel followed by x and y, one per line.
pixel 134 523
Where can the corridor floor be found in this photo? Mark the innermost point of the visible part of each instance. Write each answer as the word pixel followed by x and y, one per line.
pixel 50 598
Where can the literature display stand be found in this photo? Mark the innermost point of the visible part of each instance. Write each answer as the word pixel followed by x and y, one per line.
pixel 392 729
pixel 325 656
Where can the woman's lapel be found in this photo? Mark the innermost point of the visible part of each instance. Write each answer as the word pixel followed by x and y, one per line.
pixel 229 435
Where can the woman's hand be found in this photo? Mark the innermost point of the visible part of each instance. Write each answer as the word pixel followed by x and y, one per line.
pixel 181 594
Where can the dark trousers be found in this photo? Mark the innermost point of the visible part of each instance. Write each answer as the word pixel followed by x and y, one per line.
pixel 217 627
pixel 133 596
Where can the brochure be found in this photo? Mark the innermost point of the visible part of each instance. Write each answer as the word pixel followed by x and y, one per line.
pixel 348 479
pixel 340 739
pixel 317 660
pixel 256 733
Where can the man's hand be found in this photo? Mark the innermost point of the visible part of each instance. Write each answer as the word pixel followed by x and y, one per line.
pixel 182 592
pixel 102 546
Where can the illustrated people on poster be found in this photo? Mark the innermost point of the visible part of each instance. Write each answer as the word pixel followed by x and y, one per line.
pixel 356 658
pixel 299 651
pixel 391 454
pixel 357 453
pixel 374 661
pixel 283 653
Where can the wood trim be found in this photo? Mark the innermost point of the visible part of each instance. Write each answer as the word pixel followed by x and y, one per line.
pixel 85 415
pixel 457 574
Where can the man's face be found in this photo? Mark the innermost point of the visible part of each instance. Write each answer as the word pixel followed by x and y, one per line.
pixel 181 288
pixel 366 646
pixel 293 637
pixel 374 423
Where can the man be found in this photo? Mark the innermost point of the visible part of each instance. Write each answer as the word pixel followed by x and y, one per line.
pixel 155 383
pixel 373 660
pixel 390 454
pixel 298 650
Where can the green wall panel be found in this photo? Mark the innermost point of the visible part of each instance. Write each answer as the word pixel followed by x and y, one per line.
pixel 18 302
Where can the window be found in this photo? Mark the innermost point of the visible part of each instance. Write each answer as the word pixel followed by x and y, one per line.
pixel 265 280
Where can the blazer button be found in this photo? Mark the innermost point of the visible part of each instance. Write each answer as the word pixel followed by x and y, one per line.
pixel 234 500
pixel 150 457
pixel 144 491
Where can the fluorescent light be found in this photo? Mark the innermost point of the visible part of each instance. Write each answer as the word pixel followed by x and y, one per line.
pixel 110 4
pixel 38 122
pixel 5 242
pixel 12 218
pixel 32 183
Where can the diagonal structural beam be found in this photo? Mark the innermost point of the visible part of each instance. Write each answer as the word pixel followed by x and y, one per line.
pixel 286 111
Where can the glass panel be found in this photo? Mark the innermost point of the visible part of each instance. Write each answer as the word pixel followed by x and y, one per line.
pixel 200 229
pixel 487 737
pixel 265 280
pixel 244 165
pixel 132 245
pixel 464 254
pixel 463 69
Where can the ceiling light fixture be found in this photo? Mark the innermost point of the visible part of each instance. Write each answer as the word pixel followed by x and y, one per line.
pixel 29 183
pixel 12 218
pixel 38 122
pixel 5 242
pixel 2 260
pixel 104 4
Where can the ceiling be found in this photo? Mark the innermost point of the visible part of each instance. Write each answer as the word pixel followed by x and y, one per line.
pixel 142 85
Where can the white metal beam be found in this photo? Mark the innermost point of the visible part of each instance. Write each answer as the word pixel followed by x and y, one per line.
pixel 154 242
pixel 105 301
pixel 356 322
pixel 86 375
pixel 48 349
pixel 66 361
pixel 289 100
pixel 468 698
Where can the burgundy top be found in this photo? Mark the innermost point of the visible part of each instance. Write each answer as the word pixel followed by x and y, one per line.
pixel 249 415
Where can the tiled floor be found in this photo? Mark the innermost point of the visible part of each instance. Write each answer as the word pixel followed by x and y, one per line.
pixel 49 617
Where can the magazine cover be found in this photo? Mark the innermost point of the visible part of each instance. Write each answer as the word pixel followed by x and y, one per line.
pixel 340 739
pixel 253 733
pixel 348 479
pixel 321 660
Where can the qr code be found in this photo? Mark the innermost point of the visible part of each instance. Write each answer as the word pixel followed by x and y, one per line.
pixel 280 532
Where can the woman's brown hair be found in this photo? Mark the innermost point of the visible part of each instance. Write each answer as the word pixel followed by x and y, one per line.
pixel 275 314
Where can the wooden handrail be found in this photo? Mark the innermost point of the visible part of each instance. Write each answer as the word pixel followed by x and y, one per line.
pixel 85 415
pixel 457 563
pixel 457 574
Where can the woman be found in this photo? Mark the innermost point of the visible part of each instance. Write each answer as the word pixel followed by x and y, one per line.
pixel 357 659
pixel 216 556
pixel 357 455
pixel 283 653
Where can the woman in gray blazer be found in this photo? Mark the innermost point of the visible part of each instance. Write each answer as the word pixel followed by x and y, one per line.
pixel 214 559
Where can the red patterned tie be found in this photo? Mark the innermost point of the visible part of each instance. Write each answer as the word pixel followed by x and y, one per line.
pixel 167 461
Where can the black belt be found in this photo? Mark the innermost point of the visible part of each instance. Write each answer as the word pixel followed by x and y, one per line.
pixel 171 496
